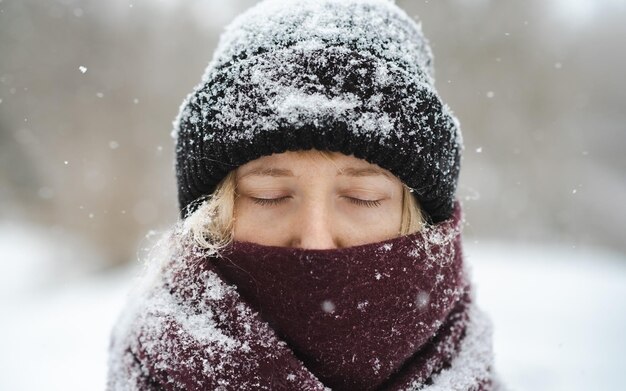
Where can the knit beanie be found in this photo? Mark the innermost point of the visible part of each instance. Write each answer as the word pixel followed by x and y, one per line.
pixel 351 76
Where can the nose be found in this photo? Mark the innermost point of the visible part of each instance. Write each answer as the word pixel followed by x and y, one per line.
pixel 313 229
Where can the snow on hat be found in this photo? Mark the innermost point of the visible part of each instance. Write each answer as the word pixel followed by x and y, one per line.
pixel 352 76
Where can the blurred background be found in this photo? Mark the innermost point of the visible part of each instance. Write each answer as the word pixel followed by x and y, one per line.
pixel 89 90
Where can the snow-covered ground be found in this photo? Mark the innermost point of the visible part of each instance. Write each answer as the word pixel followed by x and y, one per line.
pixel 559 315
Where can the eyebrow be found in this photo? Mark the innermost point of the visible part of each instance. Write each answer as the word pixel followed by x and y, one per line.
pixel 348 171
pixel 360 172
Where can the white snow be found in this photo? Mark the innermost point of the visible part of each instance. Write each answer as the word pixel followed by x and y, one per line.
pixel 387 246
pixel 558 315
pixel 328 306
pixel 469 363
pixel 422 299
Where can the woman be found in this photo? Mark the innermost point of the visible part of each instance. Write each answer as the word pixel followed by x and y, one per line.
pixel 319 245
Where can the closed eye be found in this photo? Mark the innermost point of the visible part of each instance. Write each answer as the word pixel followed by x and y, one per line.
pixel 269 201
pixel 276 201
pixel 367 203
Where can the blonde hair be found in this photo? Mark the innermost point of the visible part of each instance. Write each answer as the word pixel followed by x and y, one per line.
pixel 211 225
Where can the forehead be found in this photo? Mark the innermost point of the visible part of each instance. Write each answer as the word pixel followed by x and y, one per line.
pixel 290 162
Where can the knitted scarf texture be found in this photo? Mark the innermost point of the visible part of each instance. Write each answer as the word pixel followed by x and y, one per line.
pixel 392 315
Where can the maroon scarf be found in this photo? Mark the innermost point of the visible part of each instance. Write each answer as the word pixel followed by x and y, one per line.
pixel 391 315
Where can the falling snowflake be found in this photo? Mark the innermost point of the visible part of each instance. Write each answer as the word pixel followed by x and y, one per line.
pixel 328 306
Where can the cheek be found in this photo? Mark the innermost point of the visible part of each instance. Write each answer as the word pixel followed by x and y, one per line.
pixel 369 225
pixel 257 224
pixel 244 222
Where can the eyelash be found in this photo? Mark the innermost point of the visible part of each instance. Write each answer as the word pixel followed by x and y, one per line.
pixel 368 203
pixel 268 201
pixel 276 201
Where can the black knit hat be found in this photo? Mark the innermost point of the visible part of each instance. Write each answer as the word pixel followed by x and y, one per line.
pixel 353 76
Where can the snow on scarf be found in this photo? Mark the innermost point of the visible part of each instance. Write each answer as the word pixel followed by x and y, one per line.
pixel 392 315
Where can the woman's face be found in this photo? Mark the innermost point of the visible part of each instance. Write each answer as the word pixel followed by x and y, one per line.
pixel 308 201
